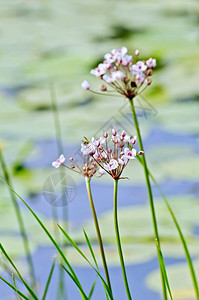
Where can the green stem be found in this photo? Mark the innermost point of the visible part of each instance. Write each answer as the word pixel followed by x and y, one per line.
pixel 146 173
pixel 87 180
pixel 20 222
pixel 119 246
pixel 188 256
pixel 61 289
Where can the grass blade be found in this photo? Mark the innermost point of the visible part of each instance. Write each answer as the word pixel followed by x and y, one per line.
pixel 92 288
pixel 13 279
pixel 79 286
pixel 18 273
pixel 184 244
pixel 49 279
pixel 50 237
pixel 93 255
pixel 90 248
pixel 82 254
pixel 13 287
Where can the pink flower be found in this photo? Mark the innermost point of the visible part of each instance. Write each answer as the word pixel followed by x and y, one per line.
pixel 109 78
pixel 138 68
pixel 56 164
pixel 129 139
pixel 130 154
pixel 120 53
pixel 140 78
pixel 118 75
pixel 109 58
pixel 151 62
pixel 87 149
pixel 98 141
pixel 85 85
pixel 100 70
pixel 126 60
pixel 112 165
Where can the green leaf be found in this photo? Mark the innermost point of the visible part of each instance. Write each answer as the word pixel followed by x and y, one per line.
pixel 49 279
pixel 18 273
pixel 14 288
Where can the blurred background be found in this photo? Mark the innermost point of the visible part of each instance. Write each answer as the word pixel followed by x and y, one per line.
pixel 47 48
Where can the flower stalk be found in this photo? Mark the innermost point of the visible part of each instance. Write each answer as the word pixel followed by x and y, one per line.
pixel 146 173
pixel 87 180
pixel 119 246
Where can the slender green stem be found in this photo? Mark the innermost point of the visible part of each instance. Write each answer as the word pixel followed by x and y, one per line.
pixel 119 246
pixel 149 194
pixel 61 290
pixel 188 256
pixel 20 222
pixel 87 180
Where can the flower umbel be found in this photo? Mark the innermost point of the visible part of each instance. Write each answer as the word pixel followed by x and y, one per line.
pixel 126 75
pixel 112 160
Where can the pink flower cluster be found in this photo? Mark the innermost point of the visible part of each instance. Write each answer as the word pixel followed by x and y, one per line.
pixel 98 156
pixel 123 73
pixel 111 160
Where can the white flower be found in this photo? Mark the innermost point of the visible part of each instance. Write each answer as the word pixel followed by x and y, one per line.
pixel 129 139
pixel 126 60
pixel 130 154
pixel 109 58
pixel 85 85
pixel 138 68
pixel 109 78
pixel 102 171
pixel 100 70
pixel 56 164
pixel 112 165
pixel 119 54
pixel 121 161
pixel 118 75
pixel 151 62
pixel 87 149
pixel 96 142
pixel 140 78
pixel 96 155
pixel 104 155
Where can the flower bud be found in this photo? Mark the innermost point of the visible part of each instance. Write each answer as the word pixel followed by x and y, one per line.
pixel 109 150
pixel 137 52
pixel 114 132
pixel 123 133
pixel 71 159
pixel 85 85
pixel 103 88
pixel 97 143
pixel 140 152
pixel 148 81
pixel 115 141
pixel 105 134
pixel 133 141
pixel 148 72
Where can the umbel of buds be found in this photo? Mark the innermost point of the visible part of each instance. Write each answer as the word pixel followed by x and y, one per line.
pixel 125 74
pixel 111 159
